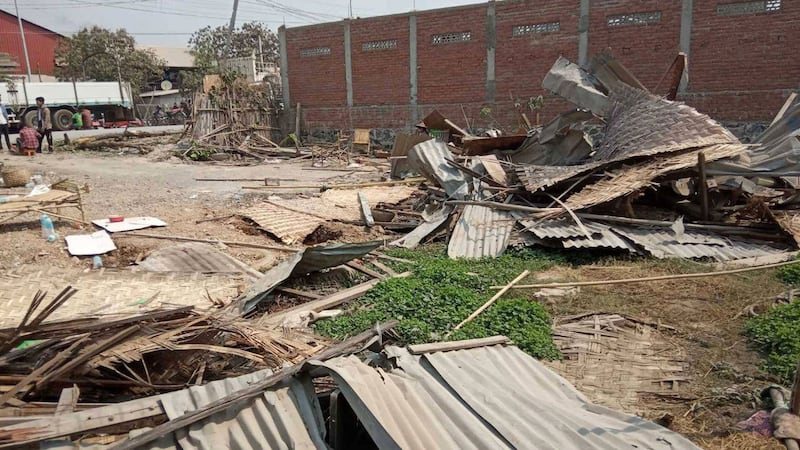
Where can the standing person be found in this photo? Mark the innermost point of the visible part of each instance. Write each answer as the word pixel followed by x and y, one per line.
pixel 29 139
pixel 45 125
pixel 4 125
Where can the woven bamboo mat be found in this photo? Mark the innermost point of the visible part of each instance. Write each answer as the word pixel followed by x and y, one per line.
pixel 616 361
pixel 107 292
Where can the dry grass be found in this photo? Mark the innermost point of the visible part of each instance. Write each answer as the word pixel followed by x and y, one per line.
pixel 741 441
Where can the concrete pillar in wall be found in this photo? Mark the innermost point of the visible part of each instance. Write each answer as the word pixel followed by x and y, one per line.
pixel 491 46
pixel 412 68
pixel 687 17
pixel 287 103
pixel 348 63
pixel 583 32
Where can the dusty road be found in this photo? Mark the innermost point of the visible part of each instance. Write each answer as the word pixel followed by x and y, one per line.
pixel 59 135
pixel 139 186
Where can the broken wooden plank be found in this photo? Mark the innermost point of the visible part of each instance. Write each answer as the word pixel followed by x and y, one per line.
pixel 365 270
pixel 54 427
pixel 299 293
pixel 328 302
pixel 366 212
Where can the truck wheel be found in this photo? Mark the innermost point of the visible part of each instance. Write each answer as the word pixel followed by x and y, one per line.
pixel 62 120
pixel 31 118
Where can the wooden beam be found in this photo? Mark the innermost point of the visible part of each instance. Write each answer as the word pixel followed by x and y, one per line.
pixel 15 436
pixel 457 345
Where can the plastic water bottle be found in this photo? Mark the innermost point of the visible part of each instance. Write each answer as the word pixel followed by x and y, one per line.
pixel 97 262
pixel 48 230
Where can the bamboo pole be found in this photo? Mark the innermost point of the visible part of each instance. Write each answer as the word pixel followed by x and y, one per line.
pixel 648 279
pixel 207 241
pixel 325 187
pixel 491 301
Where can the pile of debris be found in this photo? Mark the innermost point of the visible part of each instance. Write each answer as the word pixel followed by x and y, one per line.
pixel 661 179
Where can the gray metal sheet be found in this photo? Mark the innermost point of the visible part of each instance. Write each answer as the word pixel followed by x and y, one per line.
pixel 309 260
pixel 430 158
pixel 485 397
pixel 572 236
pixel 193 257
pixel 480 232
pixel 573 83
pixel 533 407
pixel 664 244
pixel 282 418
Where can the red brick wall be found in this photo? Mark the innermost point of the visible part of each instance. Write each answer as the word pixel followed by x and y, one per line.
pixel 522 62
pixel 41 44
pixel 317 80
pixel 741 67
pixel 454 72
pixel 646 50
pixel 380 77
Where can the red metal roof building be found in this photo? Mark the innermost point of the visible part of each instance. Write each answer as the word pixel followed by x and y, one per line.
pixel 41 44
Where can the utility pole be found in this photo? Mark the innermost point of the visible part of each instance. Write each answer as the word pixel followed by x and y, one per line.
pixel 233 16
pixel 24 45
pixel 350 10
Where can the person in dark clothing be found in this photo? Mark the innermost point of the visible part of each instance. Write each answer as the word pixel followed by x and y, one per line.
pixel 45 125
pixel 4 124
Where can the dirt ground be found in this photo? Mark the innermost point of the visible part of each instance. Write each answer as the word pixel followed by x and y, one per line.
pixel 708 313
pixel 164 187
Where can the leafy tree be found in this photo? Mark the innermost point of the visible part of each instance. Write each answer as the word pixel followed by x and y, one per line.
pixel 209 45
pixel 105 55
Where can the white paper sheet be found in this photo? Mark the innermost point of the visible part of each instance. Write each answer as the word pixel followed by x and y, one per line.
pixel 129 224
pixel 90 244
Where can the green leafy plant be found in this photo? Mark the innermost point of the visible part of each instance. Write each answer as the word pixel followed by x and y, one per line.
pixel 790 274
pixel 776 335
pixel 443 292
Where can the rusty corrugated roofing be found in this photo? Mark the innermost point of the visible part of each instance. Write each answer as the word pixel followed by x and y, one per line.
pixel 480 232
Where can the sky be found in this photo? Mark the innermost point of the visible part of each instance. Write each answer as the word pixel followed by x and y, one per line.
pixel 171 22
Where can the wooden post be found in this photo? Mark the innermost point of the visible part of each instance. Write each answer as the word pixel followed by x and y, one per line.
pixel 701 167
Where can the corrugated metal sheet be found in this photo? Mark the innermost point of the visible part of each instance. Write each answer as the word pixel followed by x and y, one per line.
pixel 284 417
pixel 640 123
pixel 430 158
pixel 288 226
pixel 664 244
pixel 536 177
pixel 548 411
pixel 40 41
pixel 480 232
pixel 489 397
pixel 571 235
pixel 573 83
pixel 195 257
